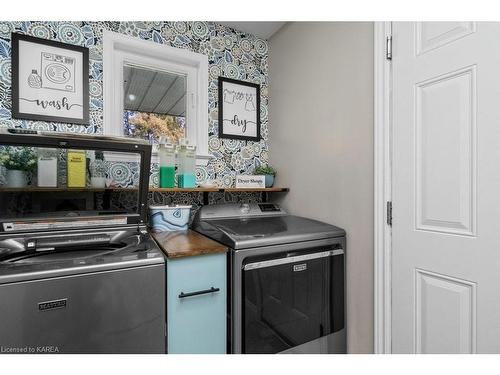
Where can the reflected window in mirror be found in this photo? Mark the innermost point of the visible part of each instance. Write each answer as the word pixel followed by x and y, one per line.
pixel 154 104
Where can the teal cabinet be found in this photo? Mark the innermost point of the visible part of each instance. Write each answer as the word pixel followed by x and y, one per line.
pixel 196 304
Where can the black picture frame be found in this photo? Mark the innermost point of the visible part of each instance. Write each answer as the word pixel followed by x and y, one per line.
pixel 16 38
pixel 222 134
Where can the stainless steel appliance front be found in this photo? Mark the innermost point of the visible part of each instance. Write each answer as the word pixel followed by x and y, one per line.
pixel 84 291
pixel 322 299
pixel 118 311
pixel 278 261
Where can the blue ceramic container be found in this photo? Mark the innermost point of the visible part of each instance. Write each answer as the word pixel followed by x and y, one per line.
pixel 269 180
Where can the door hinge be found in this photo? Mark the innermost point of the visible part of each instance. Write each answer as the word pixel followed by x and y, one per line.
pixel 388 47
pixel 389 213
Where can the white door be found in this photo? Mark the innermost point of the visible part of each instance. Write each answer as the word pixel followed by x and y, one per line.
pixel 446 188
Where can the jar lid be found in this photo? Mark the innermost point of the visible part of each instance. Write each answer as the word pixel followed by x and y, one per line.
pixel 164 142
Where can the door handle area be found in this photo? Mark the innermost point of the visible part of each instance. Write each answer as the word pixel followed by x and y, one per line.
pixel 199 292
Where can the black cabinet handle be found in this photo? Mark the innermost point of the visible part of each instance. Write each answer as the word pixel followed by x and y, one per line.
pixel 206 291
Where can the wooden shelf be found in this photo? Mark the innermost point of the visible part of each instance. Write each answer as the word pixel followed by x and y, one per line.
pixel 219 190
pixel 205 191
pixel 62 189
pixel 184 190
pixel 162 190
pixel 264 190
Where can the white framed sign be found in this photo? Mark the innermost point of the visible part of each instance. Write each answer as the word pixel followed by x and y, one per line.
pixel 239 109
pixel 250 181
pixel 50 80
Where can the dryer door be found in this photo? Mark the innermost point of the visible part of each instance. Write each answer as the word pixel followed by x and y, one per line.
pixel 292 299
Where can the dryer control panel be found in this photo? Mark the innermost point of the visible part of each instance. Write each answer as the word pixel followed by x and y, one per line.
pixel 269 207
pixel 239 210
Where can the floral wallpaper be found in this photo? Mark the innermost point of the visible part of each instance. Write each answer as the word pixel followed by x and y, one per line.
pixel 230 53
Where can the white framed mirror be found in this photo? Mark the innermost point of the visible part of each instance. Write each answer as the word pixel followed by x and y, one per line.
pixel 154 104
pixel 152 89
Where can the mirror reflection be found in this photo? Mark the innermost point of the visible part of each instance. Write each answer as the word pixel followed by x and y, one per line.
pixel 154 104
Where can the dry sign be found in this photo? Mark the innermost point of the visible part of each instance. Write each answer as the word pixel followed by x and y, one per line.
pixel 239 109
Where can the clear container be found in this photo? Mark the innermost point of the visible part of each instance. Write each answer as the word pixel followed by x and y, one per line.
pixel 187 164
pixel 166 154
pixel 47 167
pixel 98 171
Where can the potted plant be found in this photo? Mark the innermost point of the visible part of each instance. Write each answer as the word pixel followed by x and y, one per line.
pixel 17 162
pixel 269 172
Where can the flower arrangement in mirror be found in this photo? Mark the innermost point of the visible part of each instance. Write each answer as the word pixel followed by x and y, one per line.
pixel 17 162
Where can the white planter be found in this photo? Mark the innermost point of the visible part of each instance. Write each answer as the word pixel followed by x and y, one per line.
pixel 16 178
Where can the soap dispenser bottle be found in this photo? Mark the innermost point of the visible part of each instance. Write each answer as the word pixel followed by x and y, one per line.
pixel 166 153
pixel 187 164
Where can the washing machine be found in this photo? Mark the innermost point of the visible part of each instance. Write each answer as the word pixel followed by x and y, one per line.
pixel 58 72
pixel 80 277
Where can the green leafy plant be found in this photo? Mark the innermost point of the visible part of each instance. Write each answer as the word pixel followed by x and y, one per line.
pixel 23 159
pixel 153 125
pixel 265 169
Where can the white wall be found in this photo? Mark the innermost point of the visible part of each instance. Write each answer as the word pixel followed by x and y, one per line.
pixel 321 142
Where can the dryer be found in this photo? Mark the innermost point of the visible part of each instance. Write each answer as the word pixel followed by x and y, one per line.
pixel 286 278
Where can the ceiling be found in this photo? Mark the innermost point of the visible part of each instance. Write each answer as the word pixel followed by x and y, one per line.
pixel 261 29
pixel 154 91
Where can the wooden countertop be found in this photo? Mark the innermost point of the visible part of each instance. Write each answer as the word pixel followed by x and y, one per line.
pixel 187 243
